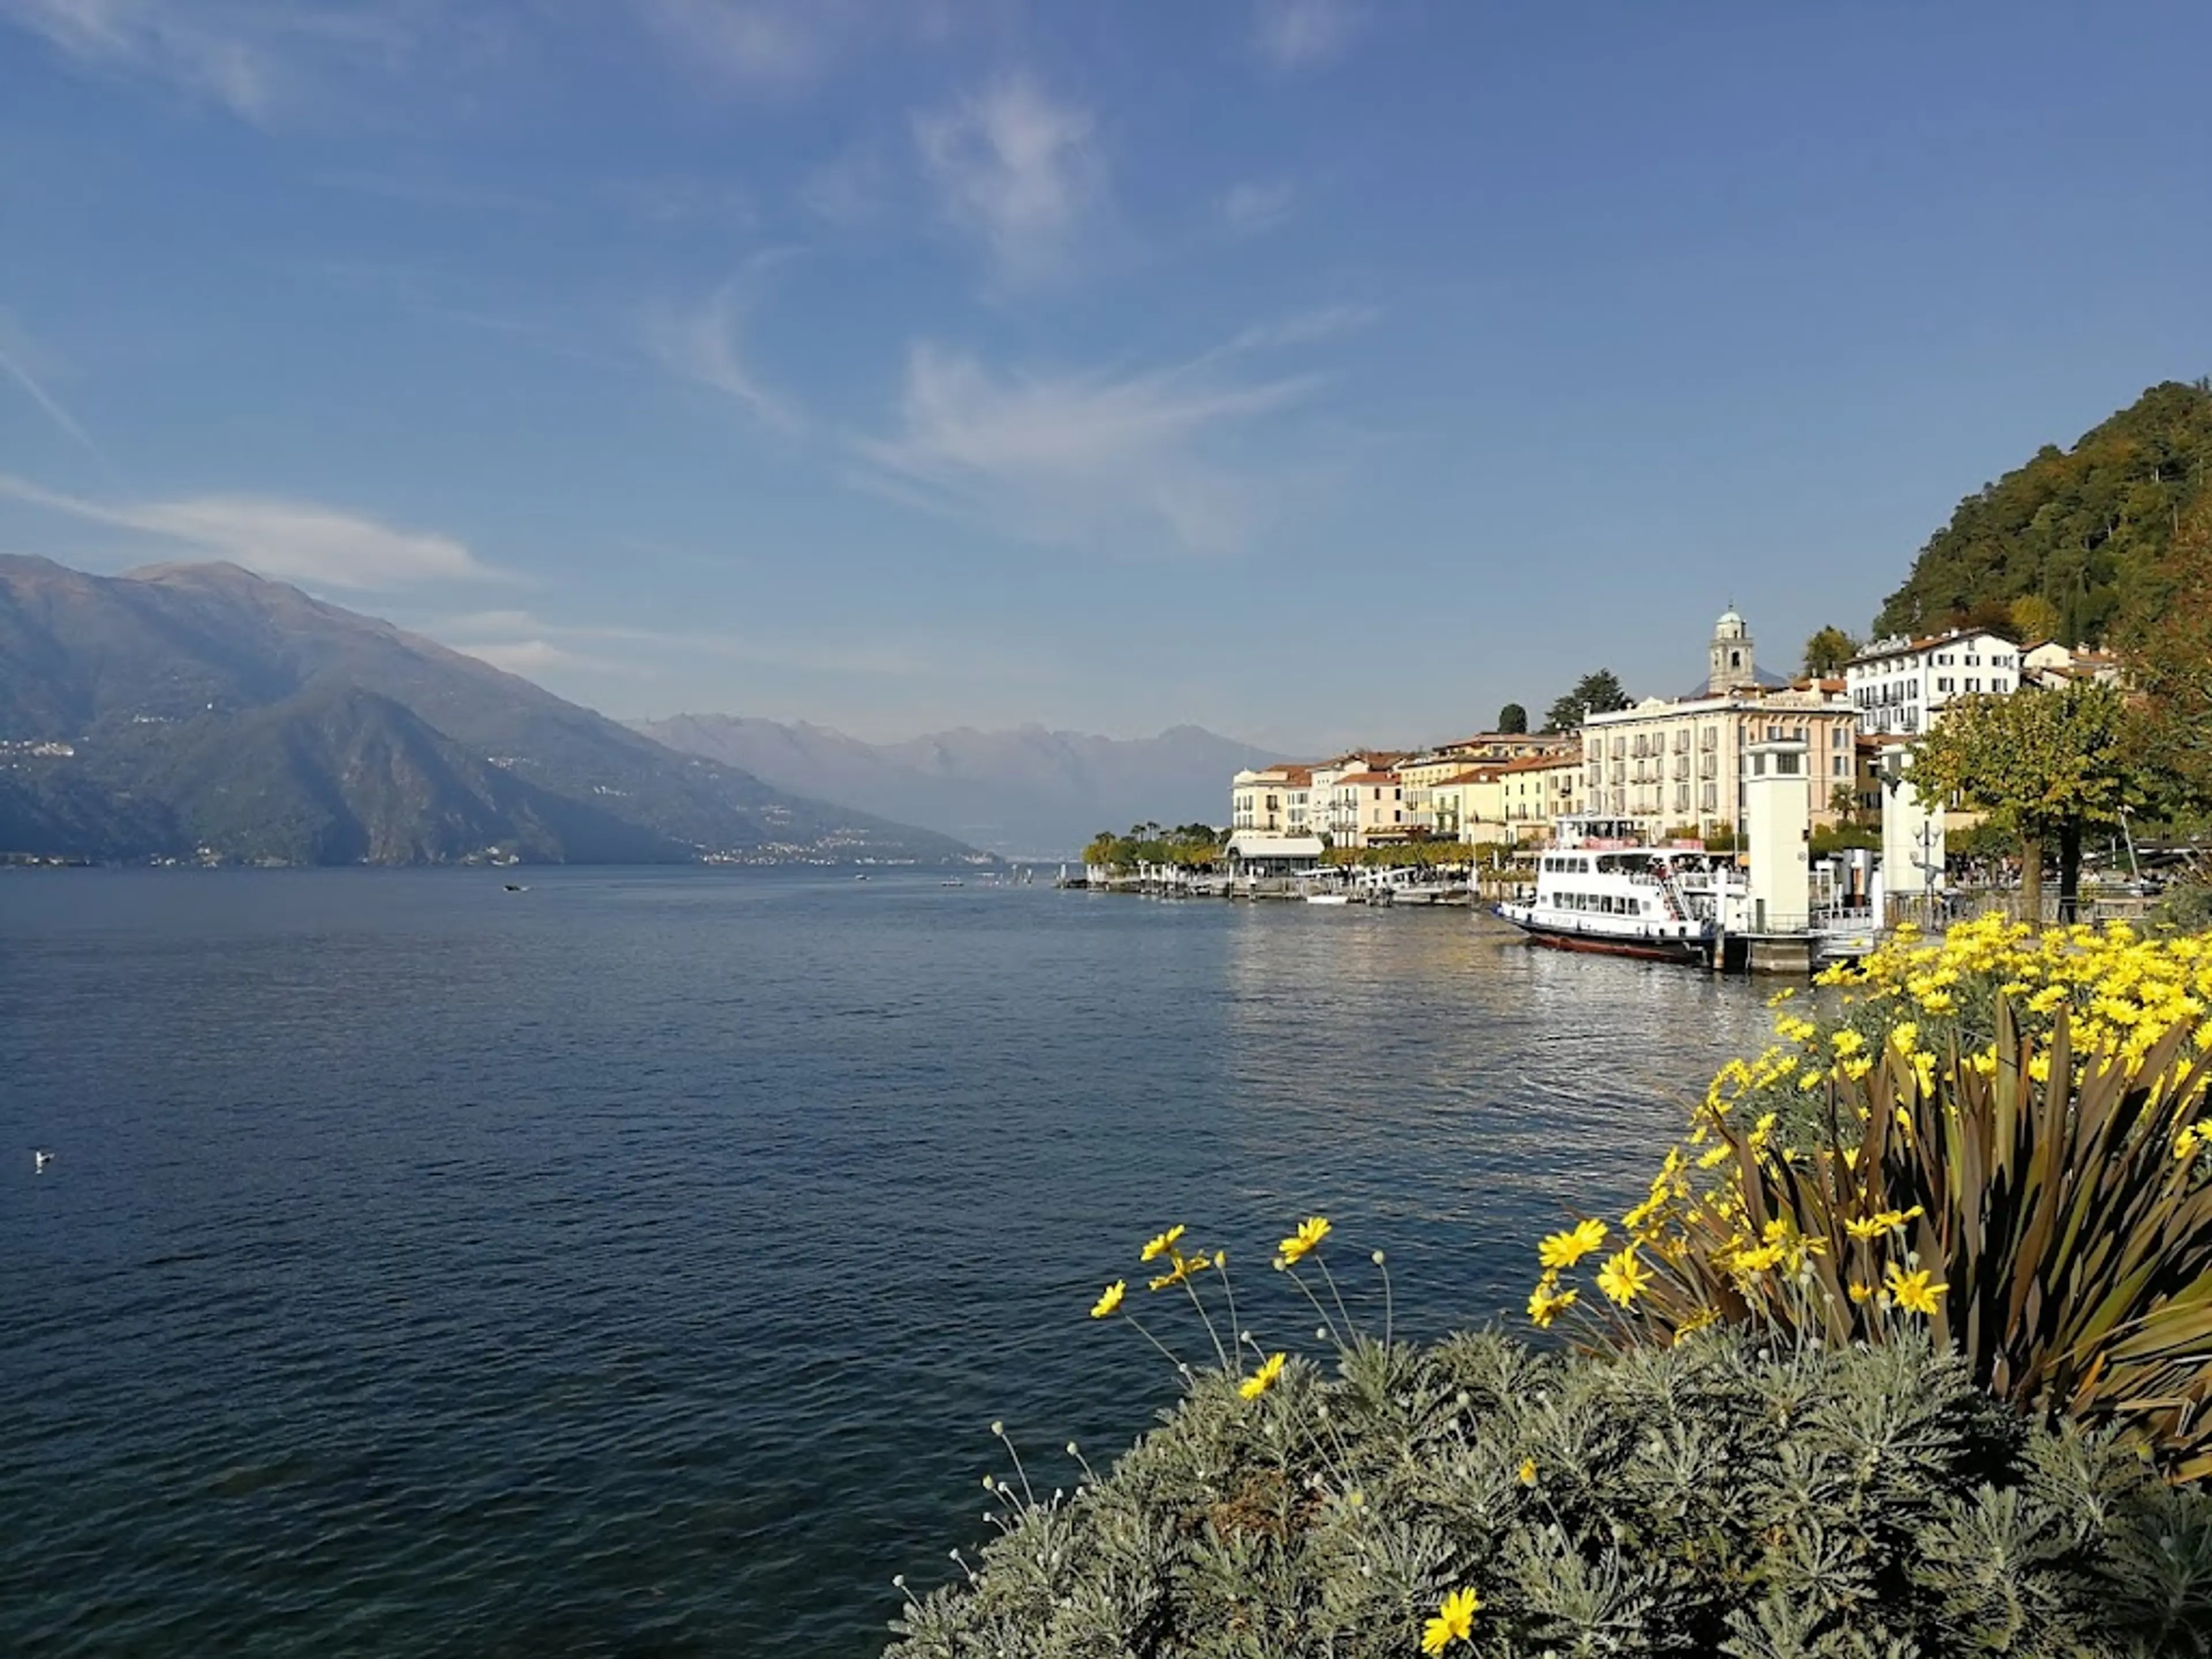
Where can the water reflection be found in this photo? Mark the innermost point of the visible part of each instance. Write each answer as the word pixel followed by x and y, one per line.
pixel 1455 1090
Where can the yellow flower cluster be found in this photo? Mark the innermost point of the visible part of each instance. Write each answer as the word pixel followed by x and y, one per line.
pixel 1918 1006
pixel 1183 1268
pixel 2122 991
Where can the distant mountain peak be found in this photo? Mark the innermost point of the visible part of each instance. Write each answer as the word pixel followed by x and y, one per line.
pixel 1021 791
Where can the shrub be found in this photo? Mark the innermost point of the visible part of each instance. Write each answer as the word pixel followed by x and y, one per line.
pixel 2041 1200
pixel 1716 1498
pixel 2121 992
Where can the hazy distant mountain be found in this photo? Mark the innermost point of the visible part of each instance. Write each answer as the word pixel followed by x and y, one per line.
pixel 189 707
pixel 1025 792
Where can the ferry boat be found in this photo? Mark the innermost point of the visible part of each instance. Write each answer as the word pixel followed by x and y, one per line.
pixel 1601 887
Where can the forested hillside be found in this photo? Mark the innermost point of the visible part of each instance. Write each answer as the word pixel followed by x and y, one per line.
pixel 2082 528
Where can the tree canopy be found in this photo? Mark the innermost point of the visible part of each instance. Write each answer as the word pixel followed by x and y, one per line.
pixel 1597 693
pixel 1827 651
pixel 1513 719
pixel 2169 641
pixel 2079 528
pixel 2044 765
pixel 1192 845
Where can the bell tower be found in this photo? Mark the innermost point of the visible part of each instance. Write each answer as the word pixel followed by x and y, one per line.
pixel 1729 661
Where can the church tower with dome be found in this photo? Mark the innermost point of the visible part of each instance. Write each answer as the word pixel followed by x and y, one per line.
pixel 1729 664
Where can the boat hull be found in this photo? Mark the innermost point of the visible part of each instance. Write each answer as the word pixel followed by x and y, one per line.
pixel 1609 945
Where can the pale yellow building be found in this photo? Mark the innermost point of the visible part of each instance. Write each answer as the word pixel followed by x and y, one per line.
pixel 1468 806
pixel 1366 808
pixel 1536 791
pixel 1256 798
pixel 1680 764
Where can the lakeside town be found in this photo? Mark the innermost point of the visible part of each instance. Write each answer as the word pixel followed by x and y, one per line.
pixel 1457 822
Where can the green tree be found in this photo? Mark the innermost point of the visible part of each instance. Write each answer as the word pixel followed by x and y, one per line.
pixel 2045 766
pixel 1597 693
pixel 1512 720
pixel 1827 651
pixel 2170 655
pixel 2034 617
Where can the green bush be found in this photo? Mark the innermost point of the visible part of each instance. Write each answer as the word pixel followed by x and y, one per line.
pixel 1715 1497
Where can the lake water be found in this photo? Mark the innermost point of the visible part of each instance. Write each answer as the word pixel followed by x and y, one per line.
pixel 634 1265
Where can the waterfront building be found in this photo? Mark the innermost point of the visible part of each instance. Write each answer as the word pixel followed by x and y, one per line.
pixel 1253 854
pixel 1538 791
pixel 1419 775
pixel 1468 806
pixel 1901 684
pixel 1260 798
pixel 1680 764
pixel 1367 809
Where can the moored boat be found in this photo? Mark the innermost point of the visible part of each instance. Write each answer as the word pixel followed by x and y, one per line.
pixel 1600 887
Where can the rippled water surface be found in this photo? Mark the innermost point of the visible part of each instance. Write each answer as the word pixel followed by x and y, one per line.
pixel 634 1265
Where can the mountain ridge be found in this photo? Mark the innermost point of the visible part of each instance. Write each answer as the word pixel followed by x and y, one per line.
pixel 209 712
pixel 1026 791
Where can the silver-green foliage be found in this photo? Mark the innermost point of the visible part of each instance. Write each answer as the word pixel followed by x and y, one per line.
pixel 1714 1499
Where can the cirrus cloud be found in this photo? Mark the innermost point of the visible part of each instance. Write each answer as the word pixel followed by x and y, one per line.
pixel 1019 169
pixel 298 541
pixel 1070 458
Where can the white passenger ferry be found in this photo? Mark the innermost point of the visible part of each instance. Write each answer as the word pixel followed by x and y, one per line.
pixel 1600 886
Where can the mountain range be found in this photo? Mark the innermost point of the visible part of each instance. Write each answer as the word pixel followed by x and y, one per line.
pixel 201 712
pixel 1023 792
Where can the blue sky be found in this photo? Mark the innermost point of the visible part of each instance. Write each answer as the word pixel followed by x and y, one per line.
pixel 1314 370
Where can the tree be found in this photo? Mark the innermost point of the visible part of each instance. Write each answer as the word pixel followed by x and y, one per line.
pixel 2034 617
pixel 1843 802
pixel 1597 693
pixel 2170 653
pixel 1826 652
pixel 2045 766
pixel 1512 720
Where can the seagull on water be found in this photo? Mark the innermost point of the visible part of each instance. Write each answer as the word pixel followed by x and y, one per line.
pixel 40 1160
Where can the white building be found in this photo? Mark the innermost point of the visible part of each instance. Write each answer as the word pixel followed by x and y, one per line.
pixel 1901 684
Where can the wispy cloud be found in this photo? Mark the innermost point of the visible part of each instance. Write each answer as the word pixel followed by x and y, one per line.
pixel 530 657
pixel 761 45
pixel 1250 209
pixel 12 354
pixel 522 642
pixel 299 541
pixel 1136 458
pixel 704 342
pixel 252 59
pixel 1305 328
pixel 1294 34
pixel 1017 167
